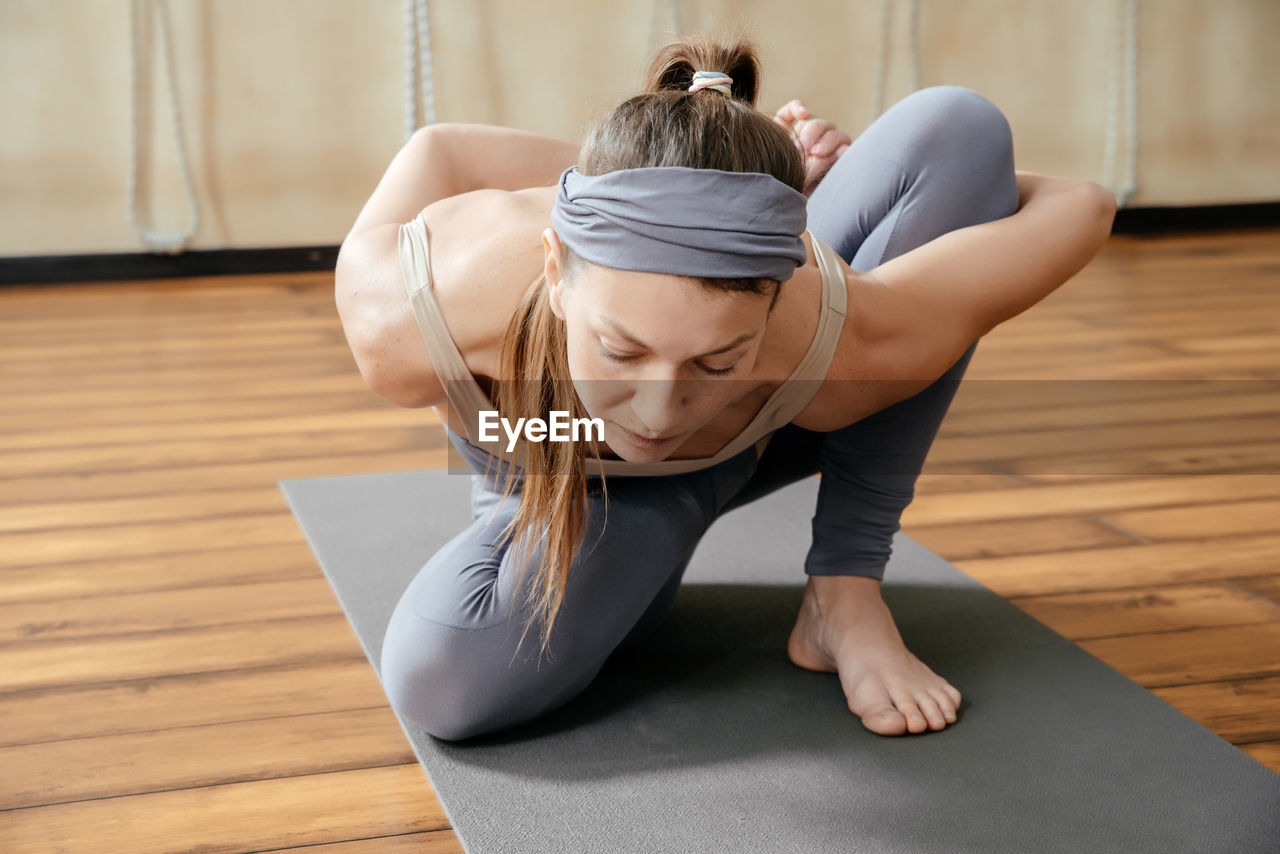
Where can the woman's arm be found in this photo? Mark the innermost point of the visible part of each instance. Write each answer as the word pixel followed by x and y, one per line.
pixel 438 162
pixel 452 158
pixel 958 287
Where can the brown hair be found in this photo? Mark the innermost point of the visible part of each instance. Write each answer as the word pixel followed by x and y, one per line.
pixel 665 125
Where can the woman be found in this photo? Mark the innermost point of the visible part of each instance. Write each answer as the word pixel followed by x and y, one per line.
pixel 678 297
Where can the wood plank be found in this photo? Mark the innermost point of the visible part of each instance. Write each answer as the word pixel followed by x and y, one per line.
pixel 204 567
pixel 143 705
pixel 1265 586
pixel 211 755
pixel 150 538
pixel 979 397
pixel 211 369
pixel 1137 566
pixel 208 504
pixel 1241 711
pixel 60 400
pixel 181 480
pixel 1242 365
pixel 1229 398
pixel 169 342
pixel 1103 439
pixel 153 611
pixel 1217 519
pixel 97 661
pixel 1246 458
pixel 262 814
pixel 168 411
pixel 101 459
pixel 1111 613
pixel 1086 495
pixel 179 325
pixel 433 842
pixel 224 430
pixel 1165 659
pixel 1017 536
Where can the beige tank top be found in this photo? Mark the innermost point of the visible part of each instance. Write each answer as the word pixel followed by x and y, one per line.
pixel 467 397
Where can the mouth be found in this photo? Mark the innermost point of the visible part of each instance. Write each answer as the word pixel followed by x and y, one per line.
pixel 643 442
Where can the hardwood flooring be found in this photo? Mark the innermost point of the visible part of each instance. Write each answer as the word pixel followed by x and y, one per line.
pixel 176 675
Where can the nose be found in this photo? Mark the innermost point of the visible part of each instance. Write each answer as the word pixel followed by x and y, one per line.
pixel 659 403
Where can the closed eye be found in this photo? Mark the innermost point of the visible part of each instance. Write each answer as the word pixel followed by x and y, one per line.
pixel 718 372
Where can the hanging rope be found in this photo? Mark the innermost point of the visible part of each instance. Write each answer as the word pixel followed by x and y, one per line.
pixel 419 83
pixel 672 12
pixel 157 241
pixel 879 82
pixel 1124 62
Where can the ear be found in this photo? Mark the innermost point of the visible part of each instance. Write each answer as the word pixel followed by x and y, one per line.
pixel 553 270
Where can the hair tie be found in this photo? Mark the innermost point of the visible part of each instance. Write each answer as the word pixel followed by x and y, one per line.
pixel 712 80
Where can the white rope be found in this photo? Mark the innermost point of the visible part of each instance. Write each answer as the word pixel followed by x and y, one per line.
pixel 419 83
pixel 880 82
pixel 1124 62
pixel 157 241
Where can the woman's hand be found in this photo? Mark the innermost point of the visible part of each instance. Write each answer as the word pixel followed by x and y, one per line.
pixel 821 142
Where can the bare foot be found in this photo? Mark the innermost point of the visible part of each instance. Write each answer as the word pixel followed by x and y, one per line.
pixel 845 627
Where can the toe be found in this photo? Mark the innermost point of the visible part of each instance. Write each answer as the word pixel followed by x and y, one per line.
pixel 907 706
pixel 945 704
pixel 929 708
pixel 885 720
pixel 871 702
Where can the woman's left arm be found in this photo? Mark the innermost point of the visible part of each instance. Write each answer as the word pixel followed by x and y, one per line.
pixel 966 282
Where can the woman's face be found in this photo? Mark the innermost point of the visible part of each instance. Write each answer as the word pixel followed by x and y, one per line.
pixel 653 354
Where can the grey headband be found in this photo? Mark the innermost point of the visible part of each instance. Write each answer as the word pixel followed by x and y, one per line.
pixel 683 221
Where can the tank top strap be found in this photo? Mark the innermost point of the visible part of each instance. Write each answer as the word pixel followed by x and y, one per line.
pixel 464 393
pixel 812 370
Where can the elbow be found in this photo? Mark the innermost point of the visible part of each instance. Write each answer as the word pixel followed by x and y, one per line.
pixel 1104 207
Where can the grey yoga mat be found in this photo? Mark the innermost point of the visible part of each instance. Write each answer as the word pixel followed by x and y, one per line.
pixel 706 738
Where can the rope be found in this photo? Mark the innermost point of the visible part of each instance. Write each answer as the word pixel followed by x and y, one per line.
pixel 1124 54
pixel 878 84
pixel 419 84
pixel 157 241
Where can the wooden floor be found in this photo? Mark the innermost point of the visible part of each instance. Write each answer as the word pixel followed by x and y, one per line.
pixel 176 675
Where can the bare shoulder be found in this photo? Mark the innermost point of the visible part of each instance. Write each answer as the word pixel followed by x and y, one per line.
pixel 872 367
pixel 484 250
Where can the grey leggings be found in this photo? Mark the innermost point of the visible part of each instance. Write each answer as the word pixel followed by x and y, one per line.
pixel 938 160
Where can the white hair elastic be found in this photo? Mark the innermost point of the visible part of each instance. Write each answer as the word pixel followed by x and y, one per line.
pixel 712 80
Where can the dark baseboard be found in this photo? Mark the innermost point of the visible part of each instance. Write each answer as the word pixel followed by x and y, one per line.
pixel 1197 218
pixel 49 269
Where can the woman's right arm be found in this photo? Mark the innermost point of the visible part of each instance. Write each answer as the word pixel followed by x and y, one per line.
pixel 458 177
pixel 453 158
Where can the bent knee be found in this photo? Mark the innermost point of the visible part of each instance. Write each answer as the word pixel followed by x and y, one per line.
pixel 457 683
pixel 962 122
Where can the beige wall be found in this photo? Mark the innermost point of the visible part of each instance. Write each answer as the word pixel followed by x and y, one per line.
pixel 292 108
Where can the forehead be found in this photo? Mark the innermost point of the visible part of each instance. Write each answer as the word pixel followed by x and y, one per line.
pixel 626 294
pixel 674 316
